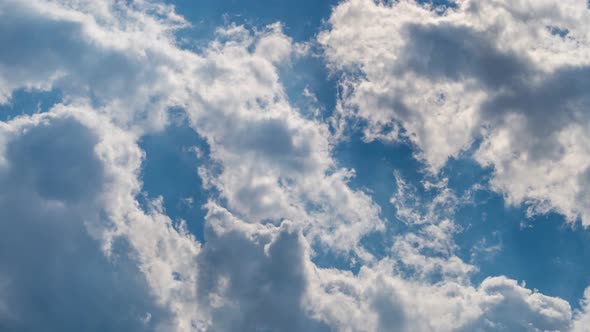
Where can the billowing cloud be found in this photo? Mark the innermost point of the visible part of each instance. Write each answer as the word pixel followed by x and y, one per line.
pixel 511 77
pixel 275 162
pixel 72 256
pixel 257 276
pixel 262 277
pixel 116 55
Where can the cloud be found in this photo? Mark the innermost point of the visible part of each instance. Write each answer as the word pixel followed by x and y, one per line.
pixel 376 300
pixel 262 277
pixel 90 234
pixel 582 316
pixel 53 270
pixel 122 58
pixel 116 55
pixel 274 163
pixel 510 77
pixel 257 274
pixel 510 307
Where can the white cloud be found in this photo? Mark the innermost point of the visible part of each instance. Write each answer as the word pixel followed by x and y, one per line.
pixel 428 247
pixel 78 252
pixel 117 55
pixel 511 74
pixel 376 300
pixel 582 316
pixel 122 56
pixel 275 164
pixel 261 276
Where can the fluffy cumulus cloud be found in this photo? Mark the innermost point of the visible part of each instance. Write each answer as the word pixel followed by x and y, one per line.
pixel 510 77
pixel 80 249
pixel 274 160
pixel 275 163
pixel 67 45
pixel 53 270
pixel 77 252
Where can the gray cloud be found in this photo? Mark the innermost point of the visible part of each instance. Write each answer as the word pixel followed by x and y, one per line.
pixel 54 274
pixel 39 49
pixel 512 77
pixel 514 83
pixel 260 275
pixel 458 52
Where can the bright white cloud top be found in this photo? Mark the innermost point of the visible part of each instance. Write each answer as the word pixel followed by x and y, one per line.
pixel 513 74
pixel 504 83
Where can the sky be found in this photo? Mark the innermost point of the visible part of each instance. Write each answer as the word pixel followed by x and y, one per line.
pixel 274 165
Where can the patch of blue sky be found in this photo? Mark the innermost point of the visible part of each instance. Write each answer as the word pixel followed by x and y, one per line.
pixel 309 85
pixel 301 19
pixel 170 170
pixel 374 164
pixel 27 102
pixel 544 251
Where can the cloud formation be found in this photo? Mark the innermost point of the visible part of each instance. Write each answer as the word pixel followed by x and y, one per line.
pixel 510 77
pixel 80 252
pixel 71 256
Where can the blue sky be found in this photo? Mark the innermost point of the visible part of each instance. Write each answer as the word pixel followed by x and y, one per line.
pixel 349 165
